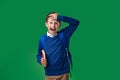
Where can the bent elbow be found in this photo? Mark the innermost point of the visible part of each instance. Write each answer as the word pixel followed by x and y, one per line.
pixel 77 22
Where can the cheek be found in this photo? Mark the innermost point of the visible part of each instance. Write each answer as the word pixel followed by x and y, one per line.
pixel 57 26
pixel 48 25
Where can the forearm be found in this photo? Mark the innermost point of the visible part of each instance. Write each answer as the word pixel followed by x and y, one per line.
pixel 68 20
pixel 73 24
pixel 39 54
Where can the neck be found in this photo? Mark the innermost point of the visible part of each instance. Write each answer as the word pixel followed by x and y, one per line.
pixel 52 33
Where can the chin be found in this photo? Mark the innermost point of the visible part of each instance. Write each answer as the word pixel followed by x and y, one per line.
pixel 52 32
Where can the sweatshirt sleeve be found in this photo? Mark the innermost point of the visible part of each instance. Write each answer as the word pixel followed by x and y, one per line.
pixel 39 54
pixel 73 24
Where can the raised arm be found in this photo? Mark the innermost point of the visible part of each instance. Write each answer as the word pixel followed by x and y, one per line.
pixel 68 20
pixel 73 24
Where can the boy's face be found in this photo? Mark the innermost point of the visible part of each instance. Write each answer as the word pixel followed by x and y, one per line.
pixel 52 25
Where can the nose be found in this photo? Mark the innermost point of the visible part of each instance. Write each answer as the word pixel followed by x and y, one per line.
pixel 53 25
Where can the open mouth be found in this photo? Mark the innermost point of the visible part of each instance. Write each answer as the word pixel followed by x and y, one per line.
pixel 52 29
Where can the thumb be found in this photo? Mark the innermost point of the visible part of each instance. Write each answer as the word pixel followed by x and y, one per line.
pixel 43 54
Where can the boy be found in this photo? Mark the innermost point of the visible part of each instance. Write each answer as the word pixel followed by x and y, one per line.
pixel 52 55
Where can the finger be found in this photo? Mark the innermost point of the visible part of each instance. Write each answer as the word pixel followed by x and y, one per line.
pixel 54 15
pixel 43 54
pixel 42 59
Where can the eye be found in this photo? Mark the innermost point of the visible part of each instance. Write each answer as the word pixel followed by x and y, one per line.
pixel 50 22
pixel 56 23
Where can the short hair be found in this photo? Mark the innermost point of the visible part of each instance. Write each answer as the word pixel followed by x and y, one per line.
pixel 48 15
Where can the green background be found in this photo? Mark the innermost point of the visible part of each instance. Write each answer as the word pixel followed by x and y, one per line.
pixel 95 45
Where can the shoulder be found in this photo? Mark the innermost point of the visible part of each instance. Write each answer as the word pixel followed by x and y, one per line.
pixel 42 36
pixel 61 32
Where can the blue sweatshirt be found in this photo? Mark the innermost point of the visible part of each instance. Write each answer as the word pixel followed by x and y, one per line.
pixel 55 53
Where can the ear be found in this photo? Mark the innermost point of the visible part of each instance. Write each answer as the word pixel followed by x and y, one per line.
pixel 46 24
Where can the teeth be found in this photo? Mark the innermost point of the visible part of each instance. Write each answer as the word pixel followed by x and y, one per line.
pixel 52 29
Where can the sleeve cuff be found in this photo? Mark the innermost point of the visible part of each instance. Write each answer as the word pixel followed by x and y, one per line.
pixel 38 59
pixel 59 17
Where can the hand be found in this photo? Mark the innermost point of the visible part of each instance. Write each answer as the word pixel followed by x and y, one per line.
pixel 43 59
pixel 43 62
pixel 54 16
